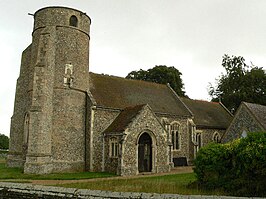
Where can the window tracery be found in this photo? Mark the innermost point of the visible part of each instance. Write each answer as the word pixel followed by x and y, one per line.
pixel 216 137
pixel 113 147
pixel 174 129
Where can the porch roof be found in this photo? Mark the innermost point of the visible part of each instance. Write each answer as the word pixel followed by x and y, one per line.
pixel 124 119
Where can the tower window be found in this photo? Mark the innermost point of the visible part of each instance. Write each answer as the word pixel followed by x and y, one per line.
pixel 73 21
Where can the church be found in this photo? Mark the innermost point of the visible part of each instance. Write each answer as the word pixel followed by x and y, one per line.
pixel 67 119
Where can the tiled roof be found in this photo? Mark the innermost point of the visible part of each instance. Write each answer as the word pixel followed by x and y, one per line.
pixel 258 111
pixel 208 114
pixel 117 92
pixel 124 119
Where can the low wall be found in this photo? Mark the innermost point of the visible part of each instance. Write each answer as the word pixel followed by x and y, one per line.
pixel 29 191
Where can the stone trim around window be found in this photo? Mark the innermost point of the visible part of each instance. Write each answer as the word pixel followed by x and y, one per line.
pixel 216 137
pixel 113 147
pixel 175 135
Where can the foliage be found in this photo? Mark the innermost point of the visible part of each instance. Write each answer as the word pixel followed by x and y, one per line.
pixel 161 74
pixel 211 164
pixel 238 167
pixel 4 141
pixel 249 165
pixel 240 83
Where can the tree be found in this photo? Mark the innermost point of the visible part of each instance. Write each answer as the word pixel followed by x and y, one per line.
pixel 161 74
pixel 240 83
pixel 4 141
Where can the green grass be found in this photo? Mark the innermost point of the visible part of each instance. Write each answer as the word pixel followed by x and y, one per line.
pixel 17 173
pixel 173 184
pixel 2 160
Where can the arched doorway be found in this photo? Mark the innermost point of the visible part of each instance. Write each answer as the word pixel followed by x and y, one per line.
pixel 145 153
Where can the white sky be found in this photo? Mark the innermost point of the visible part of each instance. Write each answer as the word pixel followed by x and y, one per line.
pixel 128 35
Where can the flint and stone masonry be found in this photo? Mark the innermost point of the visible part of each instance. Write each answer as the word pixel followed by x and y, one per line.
pixel 48 124
pixel 67 119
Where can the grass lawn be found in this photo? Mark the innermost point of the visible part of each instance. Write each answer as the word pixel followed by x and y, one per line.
pixel 173 184
pixel 17 173
pixel 2 160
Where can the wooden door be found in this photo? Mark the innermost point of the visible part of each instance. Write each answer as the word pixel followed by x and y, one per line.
pixel 145 153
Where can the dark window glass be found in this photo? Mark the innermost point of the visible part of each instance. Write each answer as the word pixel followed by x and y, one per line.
pixel 73 21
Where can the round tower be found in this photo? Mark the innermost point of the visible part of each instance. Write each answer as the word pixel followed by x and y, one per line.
pixel 69 34
pixel 60 66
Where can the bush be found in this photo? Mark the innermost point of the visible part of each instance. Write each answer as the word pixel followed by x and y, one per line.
pixel 249 165
pixel 4 141
pixel 212 165
pixel 238 167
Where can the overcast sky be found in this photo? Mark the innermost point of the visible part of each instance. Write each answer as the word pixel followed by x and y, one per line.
pixel 127 35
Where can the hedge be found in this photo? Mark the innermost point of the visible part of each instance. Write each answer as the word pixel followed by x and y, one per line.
pixel 238 168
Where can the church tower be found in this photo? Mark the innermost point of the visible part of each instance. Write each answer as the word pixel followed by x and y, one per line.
pixel 49 121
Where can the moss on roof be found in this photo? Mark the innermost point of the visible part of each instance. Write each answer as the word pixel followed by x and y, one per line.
pixel 117 92
pixel 208 114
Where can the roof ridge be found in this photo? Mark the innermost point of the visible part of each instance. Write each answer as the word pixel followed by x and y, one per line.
pixel 200 100
pixel 179 98
pixel 253 103
pixel 139 80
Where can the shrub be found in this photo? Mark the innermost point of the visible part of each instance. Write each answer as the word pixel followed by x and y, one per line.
pixel 210 165
pixel 238 167
pixel 4 141
pixel 249 166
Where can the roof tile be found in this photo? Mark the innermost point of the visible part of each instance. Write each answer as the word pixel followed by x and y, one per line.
pixel 117 92
pixel 208 114
pixel 259 111
pixel 124 119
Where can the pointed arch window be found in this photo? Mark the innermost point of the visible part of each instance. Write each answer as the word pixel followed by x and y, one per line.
pixel 73 21
pixel 174 128
pixel 216 137
pixel 198 141
pixel 113 147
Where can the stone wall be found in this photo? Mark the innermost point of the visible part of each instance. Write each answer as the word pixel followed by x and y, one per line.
pixel 184 136
pixel 243 121
pixel 207 135
pixel 102 118
pixel 16 157
pixel 28 191
pixel 145 122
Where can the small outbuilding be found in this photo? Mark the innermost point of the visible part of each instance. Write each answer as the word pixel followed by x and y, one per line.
pixel 248 118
